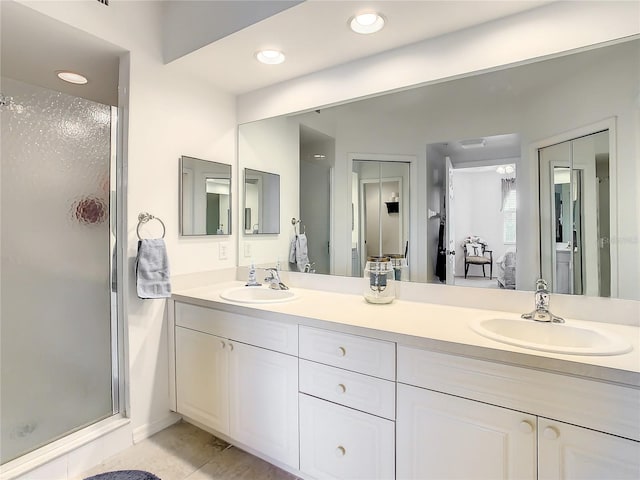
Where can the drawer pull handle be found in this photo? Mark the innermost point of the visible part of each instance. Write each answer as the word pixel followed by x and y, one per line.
pixel 341 451
pixel 222 344
pixel 342 351
pixel 525 427
pixel 231 347
pixel 341 388
pixel 551 433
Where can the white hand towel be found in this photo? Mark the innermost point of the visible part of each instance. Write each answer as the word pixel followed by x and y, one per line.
pixel 302 255
pixel 152 269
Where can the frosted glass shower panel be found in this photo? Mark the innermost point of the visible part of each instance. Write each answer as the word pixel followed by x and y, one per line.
pixel 56 361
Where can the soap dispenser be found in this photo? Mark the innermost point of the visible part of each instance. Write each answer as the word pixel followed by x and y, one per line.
pixel 252 281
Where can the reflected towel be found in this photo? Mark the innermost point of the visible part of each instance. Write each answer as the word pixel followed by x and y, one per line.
pixel 302 255
pixel 292 250
pixel 152 269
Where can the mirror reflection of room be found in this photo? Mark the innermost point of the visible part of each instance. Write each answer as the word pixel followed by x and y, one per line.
pixel 477 219
pixel 205 197
pixel 261 202
pixel 576 220
pixel 317 168
pixel 380 200
pixel 417 123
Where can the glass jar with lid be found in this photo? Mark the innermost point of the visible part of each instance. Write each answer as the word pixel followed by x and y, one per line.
pixel 379 280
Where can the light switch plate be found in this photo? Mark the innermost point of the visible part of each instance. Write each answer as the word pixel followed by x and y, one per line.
pixel 247 250
pixel 223 251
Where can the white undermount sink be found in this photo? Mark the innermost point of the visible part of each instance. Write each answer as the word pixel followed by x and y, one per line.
pixel 552 337
pixel 261 294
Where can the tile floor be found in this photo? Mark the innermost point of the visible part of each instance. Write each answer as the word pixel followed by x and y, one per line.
pixel 183 452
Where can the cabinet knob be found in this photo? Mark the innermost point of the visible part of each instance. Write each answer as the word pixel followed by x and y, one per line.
pixel 341 451
pixel 525 426
pixel 230 347
pixel 341 388
pixel 551 433
pixel 342 351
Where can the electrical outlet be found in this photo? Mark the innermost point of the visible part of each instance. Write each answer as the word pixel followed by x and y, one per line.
pixel 223 251
pixel 247 249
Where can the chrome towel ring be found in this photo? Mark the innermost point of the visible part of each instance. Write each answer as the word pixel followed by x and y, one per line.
pixel 145 217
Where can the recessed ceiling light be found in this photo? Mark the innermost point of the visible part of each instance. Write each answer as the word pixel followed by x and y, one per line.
pixel 319 155
pixel 72 77
pixel 270 57
pixel 369 22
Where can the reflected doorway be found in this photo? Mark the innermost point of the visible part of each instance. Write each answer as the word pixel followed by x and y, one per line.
pixel 472 211
pixel 380 212
pixel 575 219
pixel 317 153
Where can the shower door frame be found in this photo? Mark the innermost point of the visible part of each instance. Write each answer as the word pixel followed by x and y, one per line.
pixel 116 225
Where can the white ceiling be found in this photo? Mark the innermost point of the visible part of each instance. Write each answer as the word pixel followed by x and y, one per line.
pixel 35 46
pixel 314 36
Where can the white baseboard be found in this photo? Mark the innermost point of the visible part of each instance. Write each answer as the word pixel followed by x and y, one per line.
pixel 148 429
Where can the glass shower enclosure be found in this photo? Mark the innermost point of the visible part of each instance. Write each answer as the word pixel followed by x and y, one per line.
pixel 58 362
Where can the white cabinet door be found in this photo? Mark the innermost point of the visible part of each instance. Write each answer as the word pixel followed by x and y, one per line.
pixel 202 391
pixel 568 452
pixel 340 443
pixel 264 401
pixel 445 437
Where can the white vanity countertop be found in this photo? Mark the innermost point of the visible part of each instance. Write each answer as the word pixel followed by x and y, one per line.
pixel 436 327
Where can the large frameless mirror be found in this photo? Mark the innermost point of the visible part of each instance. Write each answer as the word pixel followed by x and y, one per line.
pixel 261 202
pixel 205 197
pixel 472 145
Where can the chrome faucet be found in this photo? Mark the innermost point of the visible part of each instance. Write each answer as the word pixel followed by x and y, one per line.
pixel 273 279
pixel 542 313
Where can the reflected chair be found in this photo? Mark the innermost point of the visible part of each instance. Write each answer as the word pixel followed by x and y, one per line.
pixel 477 253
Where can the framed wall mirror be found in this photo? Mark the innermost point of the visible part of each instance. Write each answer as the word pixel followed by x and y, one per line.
pixel 205 197
pixel 261 202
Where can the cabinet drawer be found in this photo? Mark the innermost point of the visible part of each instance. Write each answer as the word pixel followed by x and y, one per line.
pixel 351 352
pixel 362 392
pixel 339 443
pixel 279 336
